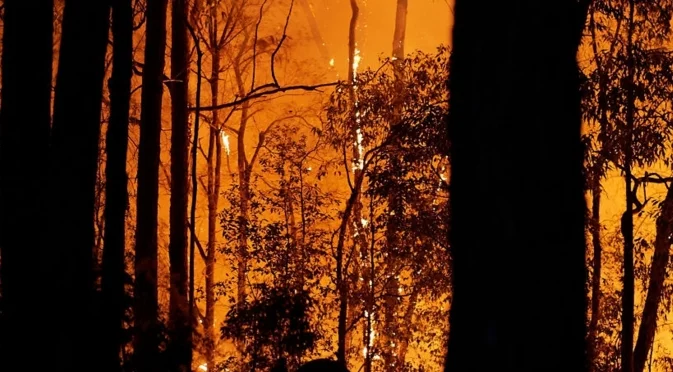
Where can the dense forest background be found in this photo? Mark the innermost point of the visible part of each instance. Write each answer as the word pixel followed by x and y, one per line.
pixel 238 184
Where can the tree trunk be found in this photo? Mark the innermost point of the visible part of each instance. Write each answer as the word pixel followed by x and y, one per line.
pixel 660 259
pixel 627 217
pixel 146 340
pixel 180 324
pixel 352 206
pixel 214 165
pixel 24 143
pixel 73 163
pixel 116 191
pixel 193 311
pixel 244 173
pixel 597 264
pixel 341 270
pixel 400 29
pixel 498 146
pixel 244 200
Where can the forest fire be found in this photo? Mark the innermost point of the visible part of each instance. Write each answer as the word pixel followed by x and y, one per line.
pixel 258 185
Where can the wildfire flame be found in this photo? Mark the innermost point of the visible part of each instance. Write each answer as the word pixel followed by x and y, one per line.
pixel 225 142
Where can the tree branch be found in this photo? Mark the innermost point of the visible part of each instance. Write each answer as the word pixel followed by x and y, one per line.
pixel 263 94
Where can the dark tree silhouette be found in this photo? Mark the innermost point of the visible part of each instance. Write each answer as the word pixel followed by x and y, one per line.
pixel 73 162
pixel 180 325
pixel 116 193
pixel 323 365
pixel 145 290
pixel 24 139
pixel 514 126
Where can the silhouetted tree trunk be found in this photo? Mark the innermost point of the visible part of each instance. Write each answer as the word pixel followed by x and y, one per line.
pixel 514 127
pixel 145 290
pixel 24 143
pixel 244 173
pixel 73 161
pixel 180 324
pixel 597 266
pixel 193 311
pixel 214 166
pixel 116 192
pixel 352 206
pixel 660 259
pixel 627 217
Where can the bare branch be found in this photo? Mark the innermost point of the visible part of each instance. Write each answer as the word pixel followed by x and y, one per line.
pixel 280 43
pixel 254 47
pixel 309 88
pixel 198 243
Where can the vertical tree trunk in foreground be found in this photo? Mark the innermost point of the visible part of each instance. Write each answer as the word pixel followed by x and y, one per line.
pixel 145 338
pixel 73 163
pixel 180 325
pixel 116 192
pixel 514 127
pixel 660 259
pixel 24 142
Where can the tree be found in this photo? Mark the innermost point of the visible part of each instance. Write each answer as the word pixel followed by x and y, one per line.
pixel 180 323
pixel 629 50
pixel 25 118
pixel 73 162
pixel 498 145
pixel 116 192
pixel 145 289
pixel 276 327
pixel 404 195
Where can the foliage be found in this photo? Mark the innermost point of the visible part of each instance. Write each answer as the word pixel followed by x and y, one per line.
pixel 272 327
pixel 396 116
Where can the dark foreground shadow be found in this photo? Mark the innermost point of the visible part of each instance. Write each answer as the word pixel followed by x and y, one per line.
pixel 323 365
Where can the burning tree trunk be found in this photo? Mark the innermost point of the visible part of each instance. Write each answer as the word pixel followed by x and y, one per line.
pixel 496 137
pixel 73 161
pixel 24 121
pixel 660 259
pixel 180 324
pixel 145 290
pixel 116 192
